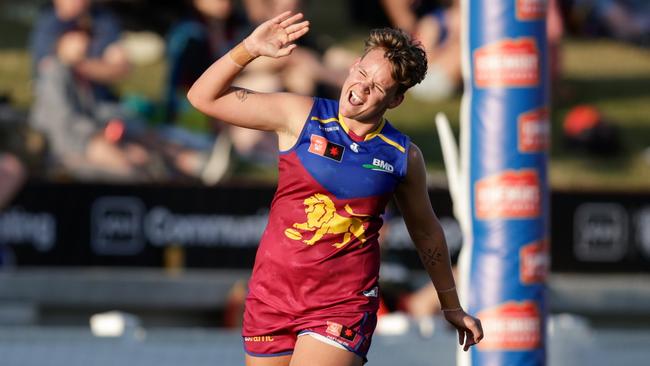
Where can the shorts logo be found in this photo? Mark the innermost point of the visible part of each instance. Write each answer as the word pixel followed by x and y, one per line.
pixel 341 331
pixel 530 9
pixel 534 262
pixel 512 326
pixel 259 339
pixel 373 292
pixel 319 145
pixel 510 195
pixel 507 63
pixel 323 218
pixel 533 130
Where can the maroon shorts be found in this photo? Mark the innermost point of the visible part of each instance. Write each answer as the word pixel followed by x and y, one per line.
pixel 268 332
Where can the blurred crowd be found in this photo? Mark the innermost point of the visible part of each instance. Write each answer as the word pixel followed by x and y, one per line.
pixel 82 130
pixel 79 128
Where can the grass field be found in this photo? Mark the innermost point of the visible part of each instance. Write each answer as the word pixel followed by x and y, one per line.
pixel 612 76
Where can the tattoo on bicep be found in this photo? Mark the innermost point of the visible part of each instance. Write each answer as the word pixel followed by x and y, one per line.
pixel 242 94
pixel 431 257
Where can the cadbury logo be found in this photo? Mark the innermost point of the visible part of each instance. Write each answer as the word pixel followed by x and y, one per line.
pixel 533 130
pixel 512 194
pixel 507 63
pixel 530 9
pixel 534 262
pixel 511 326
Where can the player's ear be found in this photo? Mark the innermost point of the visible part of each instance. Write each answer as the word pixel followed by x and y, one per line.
pixel 397 100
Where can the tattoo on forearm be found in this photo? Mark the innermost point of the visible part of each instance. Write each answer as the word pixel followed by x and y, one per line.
pixel 242 94
pixel 431 257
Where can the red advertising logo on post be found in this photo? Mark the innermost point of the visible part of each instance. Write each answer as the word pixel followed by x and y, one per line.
pixel 531 9
pixel 510 195
pixel 533 130
pixel 534 262
pixel 512 326
pixel 507 63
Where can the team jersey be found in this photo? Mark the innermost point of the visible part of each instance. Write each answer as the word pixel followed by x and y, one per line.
pixel 320 249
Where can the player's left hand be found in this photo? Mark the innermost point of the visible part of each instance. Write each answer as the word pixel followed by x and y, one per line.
pixel 275 37
pixel 469 328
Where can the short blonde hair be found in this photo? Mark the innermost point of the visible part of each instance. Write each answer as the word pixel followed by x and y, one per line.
pixel 405 54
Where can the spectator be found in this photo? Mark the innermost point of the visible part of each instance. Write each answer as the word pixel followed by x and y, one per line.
pixel 203 35
pixel 76 57
pixel 66 112
pixel 105 61
pixel 405 14
pixel 627 20
pixel 586 129
pixel 210 28
pixel 439 31
pixel 302 71
pixel 12 175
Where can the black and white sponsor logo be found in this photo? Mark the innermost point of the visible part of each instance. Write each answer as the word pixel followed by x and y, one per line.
pixel 600 232
pixel 116 226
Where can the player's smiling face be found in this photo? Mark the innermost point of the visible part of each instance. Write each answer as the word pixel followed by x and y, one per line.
pixel 369 89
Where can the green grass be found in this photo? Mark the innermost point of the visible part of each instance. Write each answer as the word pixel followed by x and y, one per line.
pixel 613 77
pixel 15 76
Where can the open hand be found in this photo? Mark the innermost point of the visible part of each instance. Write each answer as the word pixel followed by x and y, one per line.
pixel 275 37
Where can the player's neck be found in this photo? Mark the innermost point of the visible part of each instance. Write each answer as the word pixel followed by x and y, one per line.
pixel 361 128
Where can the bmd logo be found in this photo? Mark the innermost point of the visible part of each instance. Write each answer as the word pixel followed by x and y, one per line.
pixel 116 226
pixel 380 165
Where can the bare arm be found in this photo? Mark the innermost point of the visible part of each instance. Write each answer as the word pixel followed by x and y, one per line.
pixel 400 14
pixel 111 67
pixel 413 200
pixel 283 113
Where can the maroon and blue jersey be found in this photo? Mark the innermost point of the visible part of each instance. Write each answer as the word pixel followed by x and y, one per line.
pixel 320 250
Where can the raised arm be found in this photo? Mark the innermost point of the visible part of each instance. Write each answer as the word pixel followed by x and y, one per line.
pixel 214 95
pixel 413 200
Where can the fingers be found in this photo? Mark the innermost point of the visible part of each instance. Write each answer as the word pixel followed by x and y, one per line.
pixel 470 335
pixel 285 51
pixel 468 343
pixel 474 326
pixel 477 330
pixel 299 32
pixel 297 27
pixel 288 21
pixel 280 17
pixel 465 339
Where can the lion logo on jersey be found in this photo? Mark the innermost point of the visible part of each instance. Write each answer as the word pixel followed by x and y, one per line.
pixel 323 219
